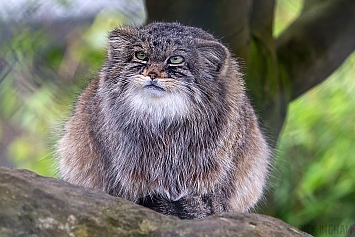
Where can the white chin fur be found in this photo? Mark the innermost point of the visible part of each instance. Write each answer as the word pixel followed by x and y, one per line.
pixel 159 104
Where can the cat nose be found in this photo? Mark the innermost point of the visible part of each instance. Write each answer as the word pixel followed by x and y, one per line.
pixel 152 75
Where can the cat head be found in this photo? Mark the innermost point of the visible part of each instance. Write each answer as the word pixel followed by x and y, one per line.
pixel 166 68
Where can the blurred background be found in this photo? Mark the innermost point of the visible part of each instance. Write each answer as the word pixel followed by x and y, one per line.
pixel 47 58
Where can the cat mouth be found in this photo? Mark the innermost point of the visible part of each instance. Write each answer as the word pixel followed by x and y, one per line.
pixel 153 87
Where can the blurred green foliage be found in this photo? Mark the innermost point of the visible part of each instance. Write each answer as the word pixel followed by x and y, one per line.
pixel 314 178
pixel 285 13
pixel 315 161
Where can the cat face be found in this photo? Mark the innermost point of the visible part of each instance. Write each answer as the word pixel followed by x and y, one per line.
pixel 166 69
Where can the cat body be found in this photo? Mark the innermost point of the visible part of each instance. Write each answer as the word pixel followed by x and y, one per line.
pixel 167 124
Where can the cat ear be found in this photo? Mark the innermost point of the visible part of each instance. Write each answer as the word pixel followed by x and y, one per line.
pixel 119 39
pixel 214 54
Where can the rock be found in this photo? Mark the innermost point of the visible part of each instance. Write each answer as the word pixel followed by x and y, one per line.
pixel 32 205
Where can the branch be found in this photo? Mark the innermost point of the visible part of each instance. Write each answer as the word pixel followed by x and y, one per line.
pixel 317 43
pixel 31 205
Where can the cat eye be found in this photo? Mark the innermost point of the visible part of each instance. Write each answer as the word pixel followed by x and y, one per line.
pixel 177 59
pixel 141 56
